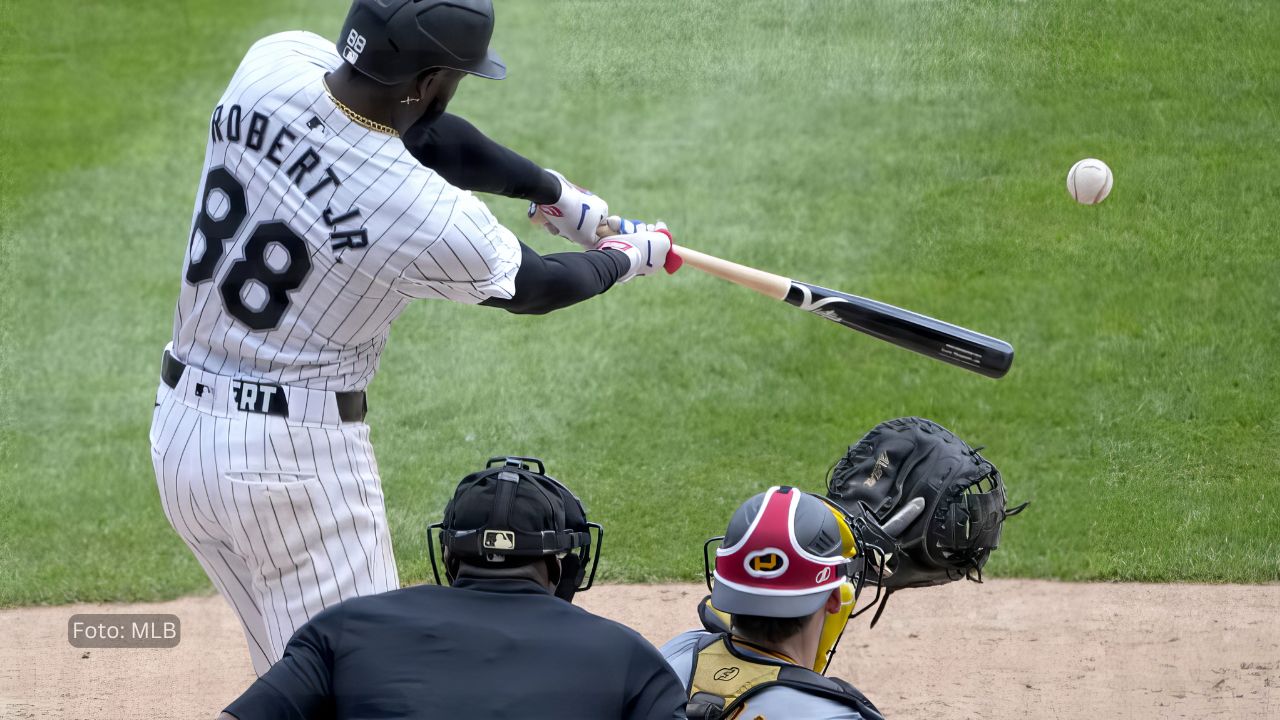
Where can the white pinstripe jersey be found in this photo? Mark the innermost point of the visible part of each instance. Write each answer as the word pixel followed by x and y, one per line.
pixel 311 233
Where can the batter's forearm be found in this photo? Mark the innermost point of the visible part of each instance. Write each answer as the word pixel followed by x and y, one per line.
pixel 551 282
pixel 468 159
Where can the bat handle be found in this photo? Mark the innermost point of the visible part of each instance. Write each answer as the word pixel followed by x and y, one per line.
pixel 765 283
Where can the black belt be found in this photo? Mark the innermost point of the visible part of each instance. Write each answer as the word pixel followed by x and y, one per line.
pixel 352 406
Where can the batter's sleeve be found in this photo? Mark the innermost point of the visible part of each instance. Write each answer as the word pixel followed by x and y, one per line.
pixel 300 685
pixel 473 258
pixel 551 282
pixel 468 159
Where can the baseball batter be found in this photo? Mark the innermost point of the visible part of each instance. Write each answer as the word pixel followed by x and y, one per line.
pixel 316 222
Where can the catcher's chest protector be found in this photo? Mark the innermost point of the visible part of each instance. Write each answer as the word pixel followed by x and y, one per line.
pixel 723 680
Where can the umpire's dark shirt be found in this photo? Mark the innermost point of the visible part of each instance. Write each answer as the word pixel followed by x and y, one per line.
pixel 480 649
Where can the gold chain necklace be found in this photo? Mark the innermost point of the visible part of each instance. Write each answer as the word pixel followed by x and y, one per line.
pixel 356 117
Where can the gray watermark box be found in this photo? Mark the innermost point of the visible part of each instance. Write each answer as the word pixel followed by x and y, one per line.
pixel 124 631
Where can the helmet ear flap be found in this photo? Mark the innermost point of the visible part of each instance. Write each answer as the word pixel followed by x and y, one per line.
pixel 833 626
pixel 850 542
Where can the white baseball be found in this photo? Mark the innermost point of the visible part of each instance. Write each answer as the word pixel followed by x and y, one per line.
pixel 1089 181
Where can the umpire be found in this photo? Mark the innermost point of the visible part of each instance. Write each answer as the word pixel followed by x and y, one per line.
pixel 503 640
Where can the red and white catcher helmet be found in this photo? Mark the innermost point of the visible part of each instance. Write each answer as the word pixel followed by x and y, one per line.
pixel 783 554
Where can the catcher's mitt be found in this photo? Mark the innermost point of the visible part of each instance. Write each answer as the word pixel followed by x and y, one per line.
pixel 930 504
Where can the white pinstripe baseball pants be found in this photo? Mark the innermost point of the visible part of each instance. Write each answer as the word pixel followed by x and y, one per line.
pixel 285 515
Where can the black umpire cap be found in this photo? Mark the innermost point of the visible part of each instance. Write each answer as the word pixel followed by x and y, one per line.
pixel 511 513
pixel 393 41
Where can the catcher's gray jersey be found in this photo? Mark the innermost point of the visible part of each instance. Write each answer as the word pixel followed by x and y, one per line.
pixel 772 704
pixel 311 233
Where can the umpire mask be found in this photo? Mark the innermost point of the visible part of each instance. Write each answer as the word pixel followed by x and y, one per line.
pixel 510 514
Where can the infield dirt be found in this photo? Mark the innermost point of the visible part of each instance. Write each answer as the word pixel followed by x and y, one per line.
pixel 1033 649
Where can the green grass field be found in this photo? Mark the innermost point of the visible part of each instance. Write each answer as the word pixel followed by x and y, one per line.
pixel 914 152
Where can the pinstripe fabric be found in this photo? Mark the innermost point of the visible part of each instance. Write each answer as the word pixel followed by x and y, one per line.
pixel 423 237
pixel 286 519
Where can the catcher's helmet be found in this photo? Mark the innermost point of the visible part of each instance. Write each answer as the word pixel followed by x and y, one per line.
pixel 783 553
pixel 509 514
pixel 393 41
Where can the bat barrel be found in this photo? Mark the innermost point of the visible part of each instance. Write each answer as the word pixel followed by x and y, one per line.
pixel 919 333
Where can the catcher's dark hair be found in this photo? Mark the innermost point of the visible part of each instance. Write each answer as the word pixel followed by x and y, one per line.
pixel 768 629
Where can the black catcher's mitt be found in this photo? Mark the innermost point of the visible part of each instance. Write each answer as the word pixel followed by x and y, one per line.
pixel 931 504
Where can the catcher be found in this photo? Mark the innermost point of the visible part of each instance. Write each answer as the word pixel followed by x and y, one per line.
pixel 909 505
pixel 786 578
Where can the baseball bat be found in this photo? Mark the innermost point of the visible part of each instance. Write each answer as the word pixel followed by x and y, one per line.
pixel 922 334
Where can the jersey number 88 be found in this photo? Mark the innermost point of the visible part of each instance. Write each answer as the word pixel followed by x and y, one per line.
pixel 253 268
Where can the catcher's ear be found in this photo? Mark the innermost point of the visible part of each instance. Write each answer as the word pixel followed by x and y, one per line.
pixel 833 602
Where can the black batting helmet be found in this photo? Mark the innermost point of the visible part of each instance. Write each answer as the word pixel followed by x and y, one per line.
pixel 509 514
pixel 392 41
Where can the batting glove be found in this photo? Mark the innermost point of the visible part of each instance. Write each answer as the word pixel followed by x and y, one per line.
pixel 576 215
pixel 648 251
pixel 622 226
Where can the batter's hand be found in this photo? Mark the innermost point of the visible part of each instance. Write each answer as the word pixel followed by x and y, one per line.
pixel 648 250
pixel 621 226
pixel 576 215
